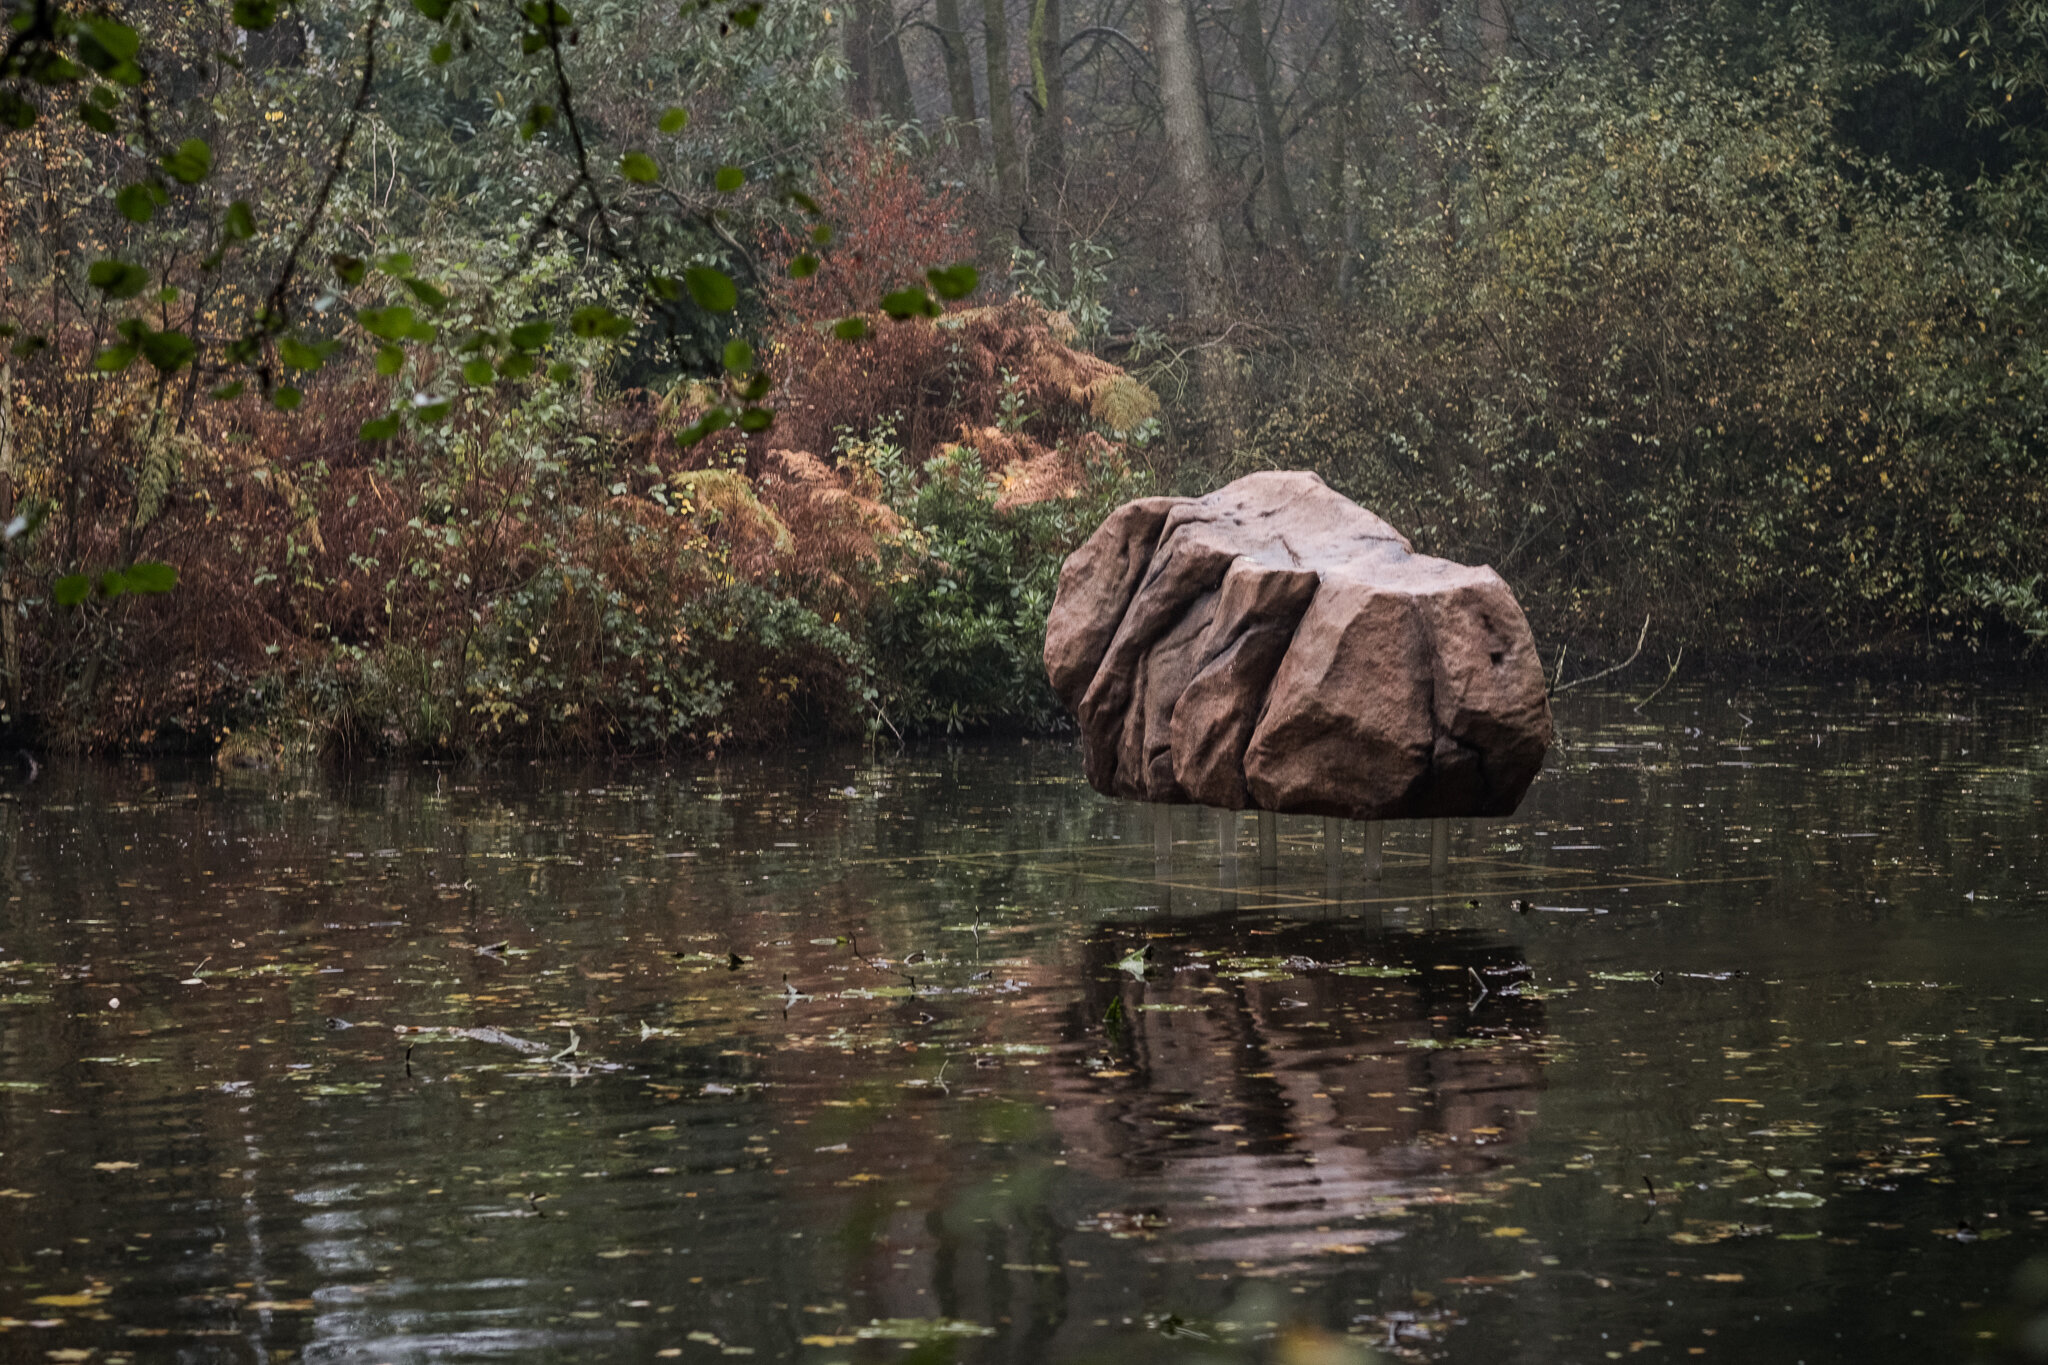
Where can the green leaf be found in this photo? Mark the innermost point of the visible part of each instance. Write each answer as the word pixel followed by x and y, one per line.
pixel 71 590
pixel 517 365
pixel 756 419
pixel 425 293
pixel 757 388
pixel 713 290
pixel 286 398
pixel 113 583
pixel 191 163
pixel 729 178
pixel 227 392
pixel 151 576
pixel 805 202
pixel 390 360
pixel 169 351
pixel 434 412
pixel 674 120
pixel 297 355
pixel 718 419
pixel 114 359
pixel 387 324
pixel 561 372
pixel 118 39
pixel 16 112
pixel 822 234
pixel 746 16
pixel 954 281
pixel 531 336
pixel 909 303
pixel 256 14
pixel 850 329
pixel 441 53
pixel 596 320
pixel 803 266
pixel 397 264
pixel 478 372
pixel 96 118
pixel 739 356
pixel 664 287
pixel 117 279
pixel 436 10
pixel 538 116
pixel 378 429
pixel 238 224
pixel 639 167
pixel 351 269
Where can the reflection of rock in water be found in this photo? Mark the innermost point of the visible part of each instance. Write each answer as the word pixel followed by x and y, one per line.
pixel 1262 1081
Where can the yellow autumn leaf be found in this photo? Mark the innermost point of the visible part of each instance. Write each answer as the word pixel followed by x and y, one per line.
pixel 113 1165
pixel 66 1300
pixel 1511 1232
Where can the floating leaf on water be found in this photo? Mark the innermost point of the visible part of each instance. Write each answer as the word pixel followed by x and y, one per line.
pixel 1376 972
pixel 1786 1199
pixel 920 1329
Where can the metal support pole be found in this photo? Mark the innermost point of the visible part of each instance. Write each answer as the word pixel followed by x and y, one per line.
pixel 1375 835
pixel 1439 847
pixel 1269 841
pixel 1162 836
pixel 1333 842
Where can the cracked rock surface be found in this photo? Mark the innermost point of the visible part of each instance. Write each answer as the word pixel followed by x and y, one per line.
pixel 1275 646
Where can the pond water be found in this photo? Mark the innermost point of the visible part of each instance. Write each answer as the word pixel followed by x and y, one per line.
pixel 1731 1045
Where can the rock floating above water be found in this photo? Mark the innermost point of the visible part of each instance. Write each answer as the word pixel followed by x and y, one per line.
pixel 1275 646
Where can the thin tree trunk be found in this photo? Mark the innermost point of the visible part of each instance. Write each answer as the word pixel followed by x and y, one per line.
pixel 959 76
pixel 1002 122
pixel 10 640
pixel 1496 26
pixel 1427 97
pixel 1350 47
pixel 1188 158
pixel 881 83
pixel 1215 417
pixel 1048 129
pixel 1258 70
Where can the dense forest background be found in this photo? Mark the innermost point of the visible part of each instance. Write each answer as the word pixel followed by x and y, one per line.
pixel 447 377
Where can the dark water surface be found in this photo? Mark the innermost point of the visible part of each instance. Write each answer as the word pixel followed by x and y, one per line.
pixel 1731 1045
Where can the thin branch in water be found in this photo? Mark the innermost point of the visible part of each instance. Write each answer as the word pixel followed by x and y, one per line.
pixel 1594 677
pixel 1675 660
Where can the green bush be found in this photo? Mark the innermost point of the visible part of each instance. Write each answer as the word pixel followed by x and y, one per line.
pixel 1684 356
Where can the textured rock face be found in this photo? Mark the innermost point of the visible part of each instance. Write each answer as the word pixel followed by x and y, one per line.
pixel 1276 646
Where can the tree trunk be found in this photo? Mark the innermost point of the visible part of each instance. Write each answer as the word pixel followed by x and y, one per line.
pixel 881 83
pixel 10 641
pixel 1258 69
pixel 959 76
pixel 1347 209
pixel 1496 25
pixel 1426 97
pixel 1188 158
pixel 1048 170
pixel 1002 122
pixel 1214 421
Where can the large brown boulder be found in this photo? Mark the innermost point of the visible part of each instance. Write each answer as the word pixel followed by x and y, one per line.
pixel 1274 645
